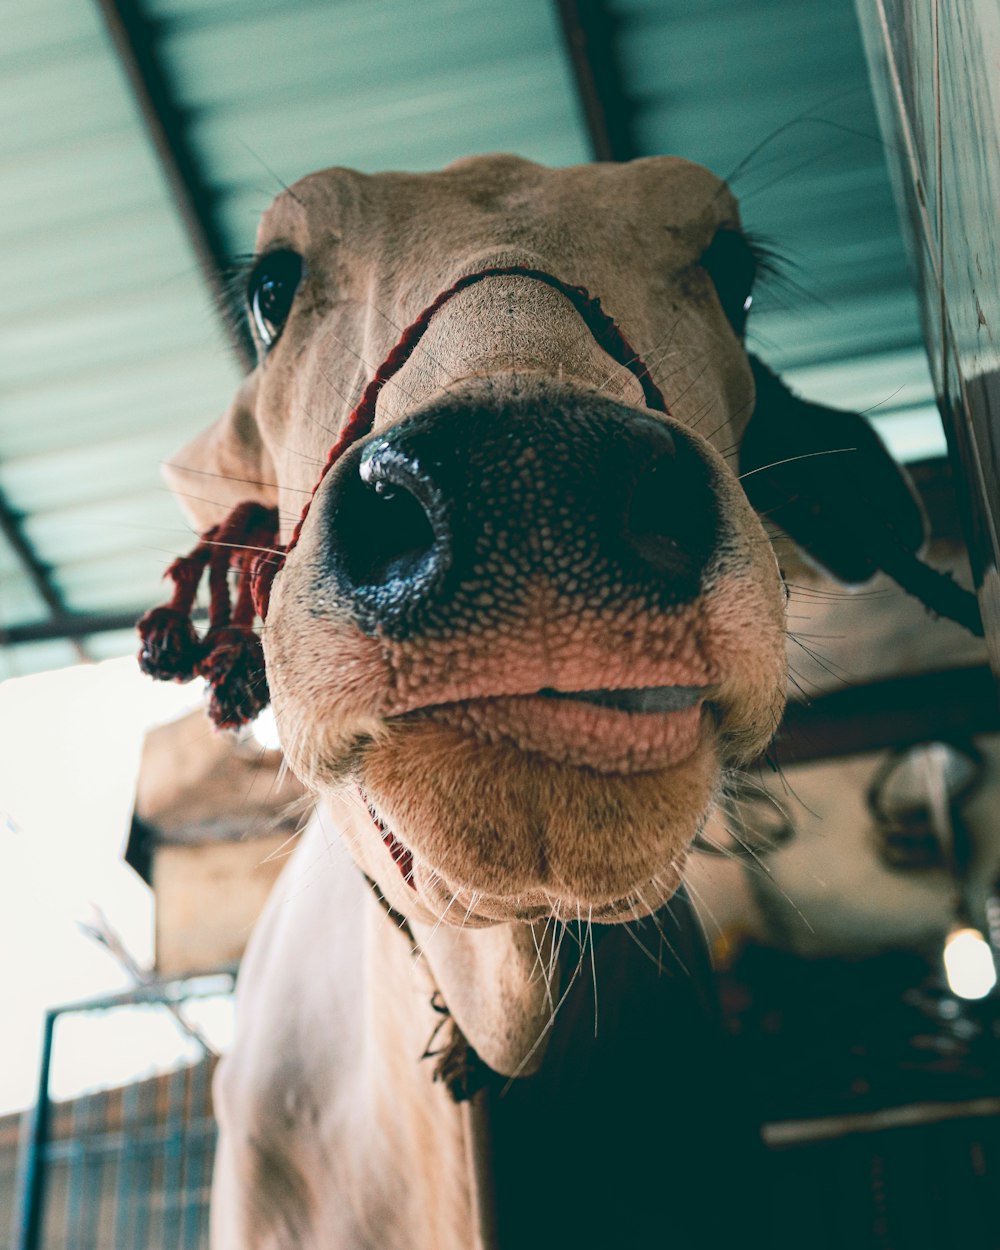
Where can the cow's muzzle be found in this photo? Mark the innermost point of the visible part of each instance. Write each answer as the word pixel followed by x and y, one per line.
pixel 453 515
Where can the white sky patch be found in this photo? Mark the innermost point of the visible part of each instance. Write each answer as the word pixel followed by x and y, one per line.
pixel 70 743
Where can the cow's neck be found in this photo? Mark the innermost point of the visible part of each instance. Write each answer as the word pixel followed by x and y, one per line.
pixel 628 1119
pixel 435 993
pixel 497 984
pixel 419 1149
pixel 617 1126
pixel 495 980
pixel 474 995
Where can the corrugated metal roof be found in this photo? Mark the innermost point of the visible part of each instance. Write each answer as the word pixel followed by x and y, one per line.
pixel 276 91
pixel 112 353
pixel 774 95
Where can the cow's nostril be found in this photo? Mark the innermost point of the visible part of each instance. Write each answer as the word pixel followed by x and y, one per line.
pixel 387 526
pixel 398 536
pixel 666 515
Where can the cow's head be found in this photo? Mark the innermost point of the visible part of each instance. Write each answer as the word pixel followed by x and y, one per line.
pixel 529 622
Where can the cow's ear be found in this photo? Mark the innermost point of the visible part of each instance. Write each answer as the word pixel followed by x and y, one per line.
pixel 226 464
pixel 826 478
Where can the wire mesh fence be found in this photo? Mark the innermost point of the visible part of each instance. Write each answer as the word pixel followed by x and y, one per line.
pixel 124 1168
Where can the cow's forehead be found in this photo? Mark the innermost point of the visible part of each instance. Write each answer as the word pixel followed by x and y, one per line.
pixel 494 193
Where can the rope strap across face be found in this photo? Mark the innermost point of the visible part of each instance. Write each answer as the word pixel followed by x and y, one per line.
pixel 229 655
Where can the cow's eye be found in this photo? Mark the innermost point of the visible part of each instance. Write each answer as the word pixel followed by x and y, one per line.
pixel 731 262
pixel 270 291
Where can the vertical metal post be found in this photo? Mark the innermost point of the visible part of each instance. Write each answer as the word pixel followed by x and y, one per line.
pixel 144 1169
pixel 195 1146
pixel 81 1121
pixel 28 1234
pixel 126 1182
pixel 173 1159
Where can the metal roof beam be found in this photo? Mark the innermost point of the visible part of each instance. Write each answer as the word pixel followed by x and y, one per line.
pixel 67 625
pixel 39 573
pixel 590 32
pixel 135 39
pixel 71 625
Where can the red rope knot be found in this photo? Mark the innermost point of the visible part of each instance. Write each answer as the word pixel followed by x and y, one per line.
pixel 233 664
pixel 230 656
pixel 170 649
pixel 237 679
pixel 264 568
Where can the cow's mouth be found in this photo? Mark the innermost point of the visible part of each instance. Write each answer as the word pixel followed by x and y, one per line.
pixel 401 854
pixel 648 700
pixel 617 731
pixel 622 730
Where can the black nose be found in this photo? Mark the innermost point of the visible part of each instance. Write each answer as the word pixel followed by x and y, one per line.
pixel 445 520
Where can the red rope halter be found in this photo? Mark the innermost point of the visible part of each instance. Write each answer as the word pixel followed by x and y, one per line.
pixel 230 656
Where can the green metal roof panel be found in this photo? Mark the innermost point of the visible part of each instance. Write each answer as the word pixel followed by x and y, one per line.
pixel 36 657
pixel 48 100
pixel 63 478
pixel 19 600
pixel 277 91
pixel 172 393
pixel 148 242
pixel 112 353
pixel 775 96
pixel 43 30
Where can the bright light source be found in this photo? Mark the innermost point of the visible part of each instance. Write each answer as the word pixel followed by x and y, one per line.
pixel 968 964
pixel 265 731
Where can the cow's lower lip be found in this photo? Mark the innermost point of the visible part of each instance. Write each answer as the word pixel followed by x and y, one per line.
pixel 613 731
pixel 483 909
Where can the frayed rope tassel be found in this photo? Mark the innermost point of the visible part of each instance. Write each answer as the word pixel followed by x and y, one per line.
pixel 229 656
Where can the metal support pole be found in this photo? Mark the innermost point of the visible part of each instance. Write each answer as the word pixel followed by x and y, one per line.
pixel 28 1232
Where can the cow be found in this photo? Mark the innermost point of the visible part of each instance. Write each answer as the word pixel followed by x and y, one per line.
pixel 526 627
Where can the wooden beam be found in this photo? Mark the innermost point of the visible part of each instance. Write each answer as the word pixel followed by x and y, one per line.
pixel 950 704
